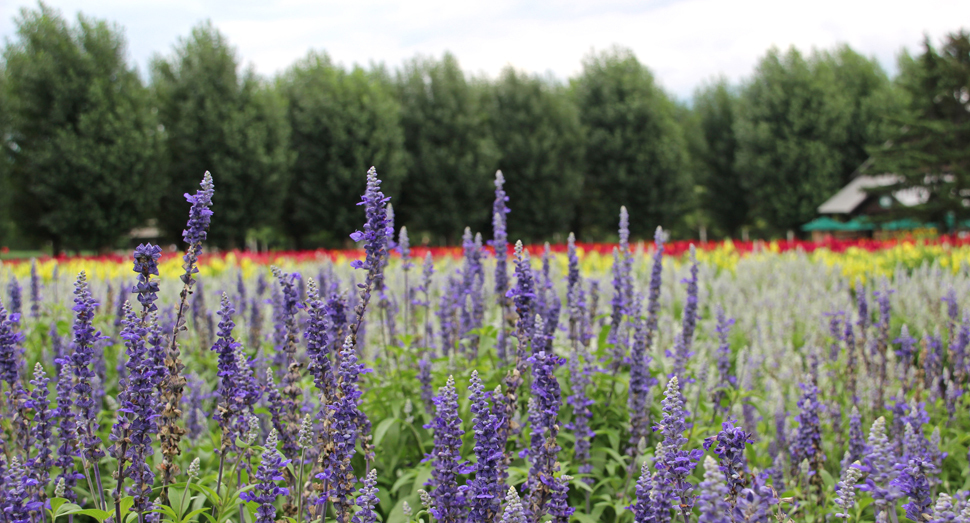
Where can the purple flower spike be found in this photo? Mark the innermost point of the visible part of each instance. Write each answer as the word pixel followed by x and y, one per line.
pixel 640 380
pixel 367 501
pixel 146 258
pixel 523 296
pixel 713 507
pixel 16 296
pixel 41 463
pixel 808 438
pixel 375 231
pixel 485 491
pixel 10 350
pixel 35 286
pixel 846 489
pixel 514 513
pixel 912 482
pixel 674 463
pixel 195 229
pixel 226 348
pixel 729 446
pixel 500 237
pixel 85 337
pixel 270 471
pixel 449 501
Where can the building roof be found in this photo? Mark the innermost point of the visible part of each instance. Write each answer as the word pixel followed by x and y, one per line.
pixel 852 195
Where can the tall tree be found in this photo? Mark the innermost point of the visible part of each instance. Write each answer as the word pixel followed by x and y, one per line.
pixel 931 149
pixel 802 128
pixel 636 154
pixel 723 197
pixel 81 137
pixel 452 159
pixel 220 120
pixel 341 123
pixel 536 130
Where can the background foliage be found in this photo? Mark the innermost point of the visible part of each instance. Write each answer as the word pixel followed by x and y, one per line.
pixel 760 154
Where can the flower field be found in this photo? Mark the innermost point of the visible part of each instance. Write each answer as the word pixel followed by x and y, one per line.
pixel 655 382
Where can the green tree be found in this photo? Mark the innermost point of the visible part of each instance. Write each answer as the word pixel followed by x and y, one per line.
pixel 535 126
pixel 723 197
pixel 452 159
pixel 220 120
pixel 636 154
pixel 341 123
pixel 81 140
pixel 803 126
pixel 930 150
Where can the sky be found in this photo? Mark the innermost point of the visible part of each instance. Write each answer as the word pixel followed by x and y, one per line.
pixel 684 42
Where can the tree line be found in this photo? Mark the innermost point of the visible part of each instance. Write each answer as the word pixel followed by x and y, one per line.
pixel 92 150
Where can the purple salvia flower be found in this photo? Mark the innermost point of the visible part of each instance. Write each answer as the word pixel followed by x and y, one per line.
pixel 644 510
pixel 912 481
pixel 514 512
pixel 878 463
pixel 404 248
pixel 682 345
pixel 449 501
pixel 16 297
pixel 10 347
pixel 579 377
pixel 85 337
pixel 640 380
pixel 836 331
pixel 857 444
pixel 675 464
pixel 344 430
pixel 424 377
pixel 137 420
pixel 500 238
pixel 807 444
pixel 367 501
pixel 289 305
pixel 67 433
pixel 729 446
pixel 447 314
pixel 559 507
pixel 933 364
pixel 548 304
pixel 711 501
pixel 35 286
pixel 845 499
pixel 146 258
pixel 196 228
pixel 485 491
pixel 269 472
pixel 375 244
pixel 17 502
pixel 543 450
pixel 579 317
pixel 226 348
pixel 944 511
pixel 277 409
pixel 619 310
pixel 318 342
pixel 725 380
pixel 523 296
pixel 756 503
pixel 905 352
pixel 653 296
pixel 41 463
pixel 427 271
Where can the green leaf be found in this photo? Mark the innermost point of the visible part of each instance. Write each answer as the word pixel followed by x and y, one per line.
pixel 381 430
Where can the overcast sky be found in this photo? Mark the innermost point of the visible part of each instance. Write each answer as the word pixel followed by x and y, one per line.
pixel 684 42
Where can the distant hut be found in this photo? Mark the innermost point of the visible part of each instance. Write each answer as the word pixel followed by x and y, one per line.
pixel 853 211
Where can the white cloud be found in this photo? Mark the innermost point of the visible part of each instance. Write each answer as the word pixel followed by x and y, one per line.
pixel 684 42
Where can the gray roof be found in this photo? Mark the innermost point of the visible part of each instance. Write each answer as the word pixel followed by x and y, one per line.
pixel 846 200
